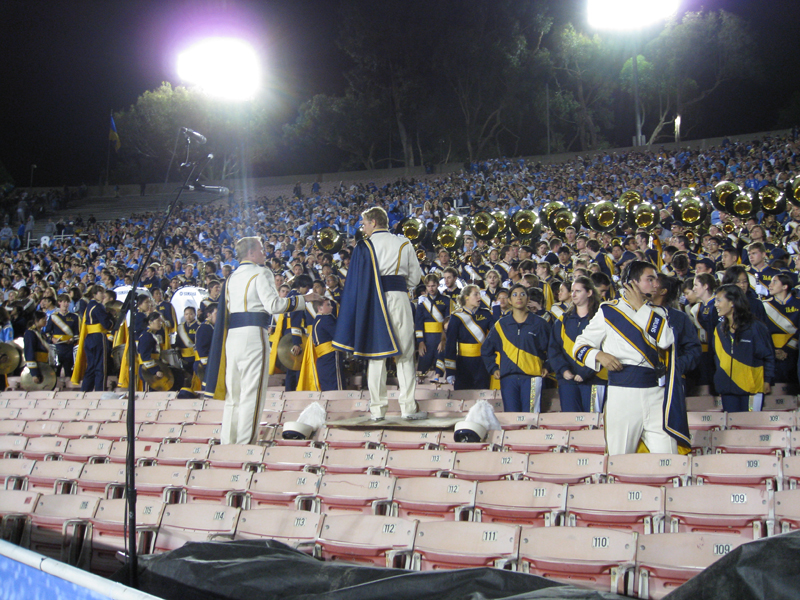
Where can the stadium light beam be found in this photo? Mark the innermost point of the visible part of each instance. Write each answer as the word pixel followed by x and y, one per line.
pixel 224 67
pixel 629 15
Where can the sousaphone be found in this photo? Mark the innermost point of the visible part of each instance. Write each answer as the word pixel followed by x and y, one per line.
pixel 48 378
pixel 328 240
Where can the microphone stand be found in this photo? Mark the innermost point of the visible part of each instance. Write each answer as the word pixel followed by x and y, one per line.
pixel 129 306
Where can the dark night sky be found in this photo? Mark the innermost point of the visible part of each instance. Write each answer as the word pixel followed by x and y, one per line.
pixel 67 63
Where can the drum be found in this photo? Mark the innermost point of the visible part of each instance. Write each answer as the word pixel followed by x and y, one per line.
pixel 123 291
pixel 172 357
pixel 187 296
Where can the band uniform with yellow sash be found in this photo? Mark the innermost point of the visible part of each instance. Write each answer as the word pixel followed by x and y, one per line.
pixel 465 336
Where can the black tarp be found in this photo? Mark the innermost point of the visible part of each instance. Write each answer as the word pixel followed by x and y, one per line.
pixel 266 570
pixel 767 569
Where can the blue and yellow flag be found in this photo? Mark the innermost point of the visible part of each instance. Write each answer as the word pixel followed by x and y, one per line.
pixel 113 136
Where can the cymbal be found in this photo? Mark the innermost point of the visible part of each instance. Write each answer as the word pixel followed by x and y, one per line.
pixel 162 384
pixel 48 377
pixel 201 371
pixel 114 307
pixel 285 356
pixel 10 357
pixel 116 356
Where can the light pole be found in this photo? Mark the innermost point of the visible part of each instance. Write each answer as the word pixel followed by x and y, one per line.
pixel 33 168
pixel 631 15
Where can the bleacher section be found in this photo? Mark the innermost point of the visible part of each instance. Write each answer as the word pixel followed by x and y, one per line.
pixel 539 496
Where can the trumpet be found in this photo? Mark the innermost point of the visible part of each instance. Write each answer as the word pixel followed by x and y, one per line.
pixel 328 240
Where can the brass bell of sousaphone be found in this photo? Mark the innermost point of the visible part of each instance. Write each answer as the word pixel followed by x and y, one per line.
pixel 602 216
pixel 448 236
pixel 744 204
pixel 163 383
pixel 484 226
pixel 502 221
pixel 526 225
pixel 721 193
pixel 285 356
pixel 47 376
pixel 644 216
pixel 414 229
pixel 628 200
pixel 328 240
pixel 773 201
pixel 561 219
pixel 689 210
pixel 792 191
pixel 10 358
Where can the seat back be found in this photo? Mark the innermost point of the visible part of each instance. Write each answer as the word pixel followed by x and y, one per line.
pixel 426 498
pixel 282 488
pixel 54 476
pixel 183 523
pixel 751 441
pixel 217 486
pixel 588 440
pixel 373 539
pixel 235 456
pixel 293 458
pixel 569 420
pixel 484 466
pixel 398 439
pixel 787 510
pixel 536 440
pixel 566 467
pixel 704 420
pixel 420 463
pixel 728 509
pixel 535 503
pixel 651 469
pixel 627 506
pixel 753 470
pixel 15 507
pixel 106 480
pixel 761 420
pixel 296 528
pixel 58 525
pixel 464 544
pixel 355 492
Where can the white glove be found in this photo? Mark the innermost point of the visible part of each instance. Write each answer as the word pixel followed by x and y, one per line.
pixel 762 290
pixel 451 380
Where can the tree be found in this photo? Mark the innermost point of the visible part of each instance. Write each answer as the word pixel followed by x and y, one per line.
pixel 692 60
pixel 584 77
pixel 237 135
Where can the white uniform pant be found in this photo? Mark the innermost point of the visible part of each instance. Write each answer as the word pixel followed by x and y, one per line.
pixel 246 376
pixel 633 414
pixel 402 320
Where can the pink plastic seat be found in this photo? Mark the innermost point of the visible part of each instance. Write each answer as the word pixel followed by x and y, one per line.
pixel 649 469
pixel 525 502
pixel 296 528
pixel 731 509
pixel 355 492
pixel 431 498
pixel 465 544
pixel 372 539
pixel 626 506
pixel 566 467
pixel 182 523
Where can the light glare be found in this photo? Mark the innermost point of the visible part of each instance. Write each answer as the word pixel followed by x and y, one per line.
pixel 224 67
pixel 628 15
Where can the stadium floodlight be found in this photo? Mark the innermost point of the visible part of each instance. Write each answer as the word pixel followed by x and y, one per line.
pixel 629 15
pixel 224 67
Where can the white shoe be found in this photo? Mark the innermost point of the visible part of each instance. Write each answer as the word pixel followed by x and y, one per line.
pixel 374 418
pixel 417 416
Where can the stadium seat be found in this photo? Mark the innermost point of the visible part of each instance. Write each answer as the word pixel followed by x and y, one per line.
pixel 89 450
pixel 59 525
pixel 8 413
pixel 69 394
pixel 465 544
pixel 296 528
pixel 474 395
pixel 52 404
pixel 44 448
pixel 705 403
pixel 40 395
pixel 600 559
pixel 40 428
pixel 628 506
pixel 373 539
pixel 496 403
pixel 53 476
pixel 105 480
pixel 287 489
pixel 186 404
pixel 588 440
pixel 354 492
pixel 524 502
pixel 790 472
pixel 218 486
pixel 339 408
pixel 517 420
pixel 160 432
pixel 569 421
pixel 67 414
pixel 780 401
pixel 485 466
pixel 750 441
pixel 183 523
pixel 341 395
pixel 176 416
pixel 82 403
pixel 433 393
pixel 731 509
pixel 12 426
pixel 146 416
pixel 762 420
pixel 787 510
pixel 109 527
pixel 236 456
pixel 293 458
pixel 116 431
pixel 111 404
pixel 212 417
pixel 162 481
pixel 431 498
pixel 144 452
pixel 536 440
pixel 78 429
pixel 193 456
pixel 705 420
pixel 354 460
pixel 15 508
pixel 302 399
pixel 151 403
pixel 649 469
pixel 441 407
pixel 665 561
pixel 398 439
pixel 271 404
pixel 566 467
pixel 420 463
pixel 201 433
pixel 753 470
pixel 337 437
pixel 492 441
pixel 701 441
pixel 13 472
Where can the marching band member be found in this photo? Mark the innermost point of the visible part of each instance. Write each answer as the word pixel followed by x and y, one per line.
pixel 465 333
pixel 738 275
pixel 628 337
pixel 167 312
pixel 475 270
pixel 149 345
pixel 521 340
pixel 62 328
pixel 783 314
pixel 745 356
pixel 704 287
pixel 580 388
pixel 300 286
pixel 35 347
pixel 432 311
pixel 90 363
pixel 186 338
pixel 450 285
pixel 202 346
pixel 214 287
pixel 489 295
pixel 328 362
pixel 564 300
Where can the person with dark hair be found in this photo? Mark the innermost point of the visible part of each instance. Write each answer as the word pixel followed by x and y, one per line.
pixel 602 283
pixel 521 340
pixel 745 355
pixel 738 275
pixel 466 333
pixel 706 313
pixel 202 344
pixel 62 329
pixel 564 298
pixel 630 338
pixel 601 259
pixel 432 312
pixel 35 346
pixel 90 363
pixel 783 314
pixel 580 388
pixel 300 322
pixel 328 362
